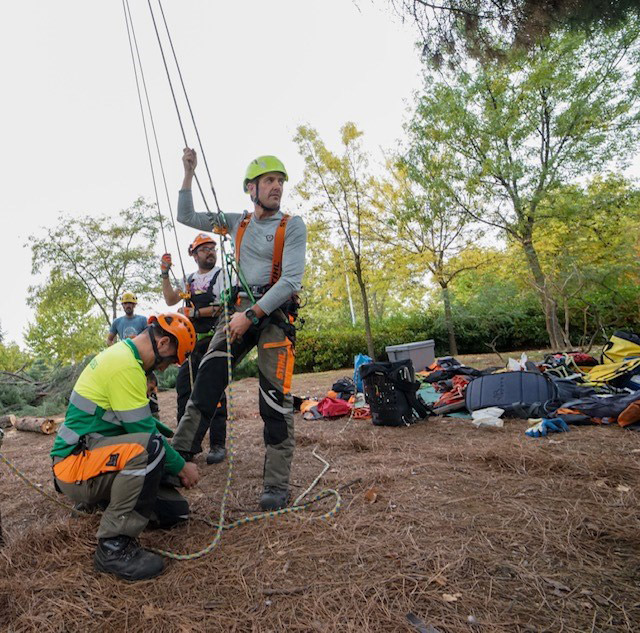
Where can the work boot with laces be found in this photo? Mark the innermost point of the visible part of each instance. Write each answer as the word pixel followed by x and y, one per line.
pixel 216 454
pixel 273 498
pixel 122 556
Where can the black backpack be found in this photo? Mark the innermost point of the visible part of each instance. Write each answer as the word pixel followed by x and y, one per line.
pixel 390 391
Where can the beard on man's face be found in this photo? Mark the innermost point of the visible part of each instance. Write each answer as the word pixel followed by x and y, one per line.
pixel 208 262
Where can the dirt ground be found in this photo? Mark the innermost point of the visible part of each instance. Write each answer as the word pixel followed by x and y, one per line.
pixel 444 527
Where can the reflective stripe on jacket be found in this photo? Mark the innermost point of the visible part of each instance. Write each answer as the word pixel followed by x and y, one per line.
pixel 110 398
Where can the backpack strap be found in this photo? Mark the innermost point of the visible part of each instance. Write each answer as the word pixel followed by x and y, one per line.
pixel 403 380
pixel 213 281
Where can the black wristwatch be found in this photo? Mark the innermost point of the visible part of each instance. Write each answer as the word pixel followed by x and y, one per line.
pixel 252 316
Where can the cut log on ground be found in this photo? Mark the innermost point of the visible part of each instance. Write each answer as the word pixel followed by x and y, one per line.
pixel 1 536
pixel 47 426
pixel 7 420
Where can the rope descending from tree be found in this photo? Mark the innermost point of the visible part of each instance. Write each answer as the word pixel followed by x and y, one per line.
pixel 230 267
pixel 131 33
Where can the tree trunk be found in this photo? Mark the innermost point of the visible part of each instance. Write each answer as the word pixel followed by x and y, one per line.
pixel 448 319
pixel 47 426
pixel 365 308
pixel 353 312
pixel 7 421
pixel 549 304
pixel 346 278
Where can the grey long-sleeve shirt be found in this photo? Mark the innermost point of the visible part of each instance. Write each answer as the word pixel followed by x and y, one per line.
pixel 256 252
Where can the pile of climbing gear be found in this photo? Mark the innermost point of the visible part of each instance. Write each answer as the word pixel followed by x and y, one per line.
pixel 565 388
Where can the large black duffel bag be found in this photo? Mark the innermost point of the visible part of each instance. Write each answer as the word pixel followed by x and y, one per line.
pixel 390 391
pixel 522 394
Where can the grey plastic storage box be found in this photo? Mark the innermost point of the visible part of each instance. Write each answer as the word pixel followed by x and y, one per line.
pixel 421 353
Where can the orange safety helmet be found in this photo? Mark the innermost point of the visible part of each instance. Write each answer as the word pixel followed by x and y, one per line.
pixel 181 328
pixel 201 238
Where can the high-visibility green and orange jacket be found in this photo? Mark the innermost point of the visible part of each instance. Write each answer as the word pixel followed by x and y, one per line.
pixel 110 398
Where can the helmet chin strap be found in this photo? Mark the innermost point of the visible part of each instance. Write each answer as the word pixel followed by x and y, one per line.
pixel 158 358
pixel 257 202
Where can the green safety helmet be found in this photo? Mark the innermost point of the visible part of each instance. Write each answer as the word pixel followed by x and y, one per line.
pixel 263 165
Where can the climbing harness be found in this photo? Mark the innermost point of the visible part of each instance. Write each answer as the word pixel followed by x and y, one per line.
pixel 231 268
pixel 278 246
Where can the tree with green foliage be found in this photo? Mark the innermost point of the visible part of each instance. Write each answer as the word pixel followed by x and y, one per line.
pixel 419 216
pixel 588 248
pixel 107 254
pixel 516 131
pixel 336 186
pixel 480 27
pixel 12 358
pixel 64 328
pixel 329 283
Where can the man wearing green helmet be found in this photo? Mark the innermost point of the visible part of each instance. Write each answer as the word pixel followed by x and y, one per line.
pixel 270 251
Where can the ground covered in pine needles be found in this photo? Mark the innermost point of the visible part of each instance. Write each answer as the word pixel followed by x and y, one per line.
pixel 444 527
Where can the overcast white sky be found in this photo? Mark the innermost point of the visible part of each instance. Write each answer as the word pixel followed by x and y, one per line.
pixel 70 125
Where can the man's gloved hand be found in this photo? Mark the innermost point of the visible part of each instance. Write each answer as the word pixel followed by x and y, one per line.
pixel 165 263
pixel 188 311
pixel 542 426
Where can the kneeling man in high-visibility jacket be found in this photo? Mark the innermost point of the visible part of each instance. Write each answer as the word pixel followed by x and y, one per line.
pixel 111 452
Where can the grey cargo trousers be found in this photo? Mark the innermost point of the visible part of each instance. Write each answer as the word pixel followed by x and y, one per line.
pixel 275 364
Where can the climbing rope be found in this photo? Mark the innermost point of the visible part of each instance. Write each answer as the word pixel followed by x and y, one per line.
pixel 133 41
pixel 299 499
pixel 230 267
pixel 220 526
pixel 31 483
pixel 193 119
pixel 175 100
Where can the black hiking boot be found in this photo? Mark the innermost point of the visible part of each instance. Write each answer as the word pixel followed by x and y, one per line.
pixel 88 508
pixel 123 557
pixel 216 454
pixel 84 508
pixel 273 498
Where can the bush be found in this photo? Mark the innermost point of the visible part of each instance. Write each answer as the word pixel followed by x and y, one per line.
pixel 322 350
pixel 43 390
pixel 167 378
pixel 248 367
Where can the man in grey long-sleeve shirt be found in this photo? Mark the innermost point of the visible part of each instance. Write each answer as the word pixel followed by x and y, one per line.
pixel 272 279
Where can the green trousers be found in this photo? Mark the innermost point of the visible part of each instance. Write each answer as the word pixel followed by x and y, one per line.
pixel 122 472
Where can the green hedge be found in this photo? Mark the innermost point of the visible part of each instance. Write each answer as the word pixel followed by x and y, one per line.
pixel 322 350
